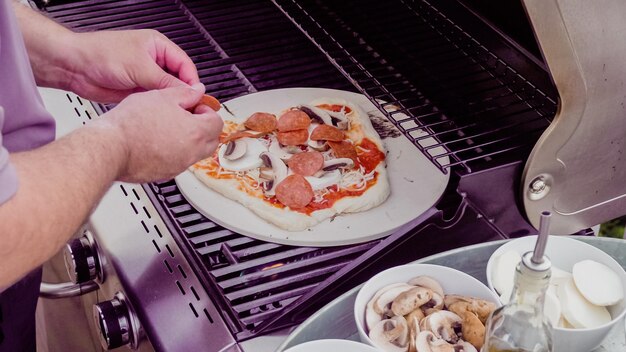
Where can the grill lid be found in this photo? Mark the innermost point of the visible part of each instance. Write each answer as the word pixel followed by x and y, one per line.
pixel 578 167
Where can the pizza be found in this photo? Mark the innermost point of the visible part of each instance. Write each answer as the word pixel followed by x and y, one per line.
pixel 302 166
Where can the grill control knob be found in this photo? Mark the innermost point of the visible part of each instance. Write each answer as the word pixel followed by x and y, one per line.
pixel 116 323
pixel 81 260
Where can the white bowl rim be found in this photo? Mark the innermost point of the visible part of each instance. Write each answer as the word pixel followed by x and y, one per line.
pixel 357 316
pixel 562 238
pixel 335 341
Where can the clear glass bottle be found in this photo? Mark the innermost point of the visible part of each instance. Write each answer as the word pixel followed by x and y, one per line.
pixel 520 325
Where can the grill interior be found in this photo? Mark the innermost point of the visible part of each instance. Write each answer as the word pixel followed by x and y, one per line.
pixel 405 54
pixel 410 55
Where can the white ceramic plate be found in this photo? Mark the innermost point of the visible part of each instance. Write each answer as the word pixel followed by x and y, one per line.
pixel 416 184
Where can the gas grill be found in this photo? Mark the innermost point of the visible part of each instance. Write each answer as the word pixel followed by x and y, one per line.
pixel 174 280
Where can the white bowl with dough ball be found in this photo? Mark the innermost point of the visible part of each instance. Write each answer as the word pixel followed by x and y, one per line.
pixel 332 345
pixel 407 293
pixel 586 296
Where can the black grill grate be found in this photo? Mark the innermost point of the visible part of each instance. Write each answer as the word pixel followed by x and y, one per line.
pixel 256 279
pixel 407 54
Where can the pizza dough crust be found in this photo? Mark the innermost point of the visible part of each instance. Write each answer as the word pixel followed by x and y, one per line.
pixel 296 221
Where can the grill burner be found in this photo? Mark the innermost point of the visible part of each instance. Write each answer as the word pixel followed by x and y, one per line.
pixel 405 54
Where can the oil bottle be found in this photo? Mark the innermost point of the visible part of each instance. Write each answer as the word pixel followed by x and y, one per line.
pixel 520 325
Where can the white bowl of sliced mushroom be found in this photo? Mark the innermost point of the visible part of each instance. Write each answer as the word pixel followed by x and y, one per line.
pixel 332 345
pixel 586 295
pixel 423 308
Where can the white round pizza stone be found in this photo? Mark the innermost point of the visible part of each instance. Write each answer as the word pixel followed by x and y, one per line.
pixel 416 184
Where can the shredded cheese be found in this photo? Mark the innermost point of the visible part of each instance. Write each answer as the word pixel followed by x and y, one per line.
pixel 353 181
pixel 363 149
pixel 319 196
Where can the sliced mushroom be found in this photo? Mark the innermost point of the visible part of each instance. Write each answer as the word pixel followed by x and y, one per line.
pixel 473 330
pixel 317 114
pixel 434 305
pixel 320 146
pixel 413 322
pixel 327 179
pixel 464 346
pixel 383 304
pixel 445 325
pixel 338 163
pixel 410 300
pixel 277 150
pixel 428 342
pixel 292 149
pixel 391 335
pixel 235 149
pixel 428 282
pixel 266 173
pixel 279 172
pixel 250 160
pixel 339 119
pixel 372 316
pixel 478 306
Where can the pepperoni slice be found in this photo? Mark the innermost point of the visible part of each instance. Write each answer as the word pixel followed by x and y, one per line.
pixel 327 133
pixel 306 163
pixel 344 149
pixel 211 102
pixel 261 122
pixel 293 120
pixel 294 191
pixel 297 137
pixel 240 134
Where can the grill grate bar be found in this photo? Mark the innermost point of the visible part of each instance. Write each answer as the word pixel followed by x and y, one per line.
pixel 263 289
pixel 281 267
pixel 277 300
pixel 112 13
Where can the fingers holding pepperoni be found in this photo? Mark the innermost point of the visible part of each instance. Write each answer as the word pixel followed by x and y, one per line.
pixel 293 120
pixel 294 192
pixel 306 163
pixel 239 134
pixel 210 101
pixel 261 122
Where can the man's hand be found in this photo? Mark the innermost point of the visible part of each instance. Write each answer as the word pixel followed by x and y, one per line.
pixel 103 66
pixel 113 64
pixel 161 138
pixel 149 136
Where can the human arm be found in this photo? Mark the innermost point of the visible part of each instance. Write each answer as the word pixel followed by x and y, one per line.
pixel 104 66
pixel 148 136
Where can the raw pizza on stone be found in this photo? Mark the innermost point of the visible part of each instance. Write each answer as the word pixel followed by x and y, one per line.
pixel 296 169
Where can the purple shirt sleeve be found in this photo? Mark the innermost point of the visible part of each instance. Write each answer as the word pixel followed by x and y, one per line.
pixel 8 174
pixel 24 122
